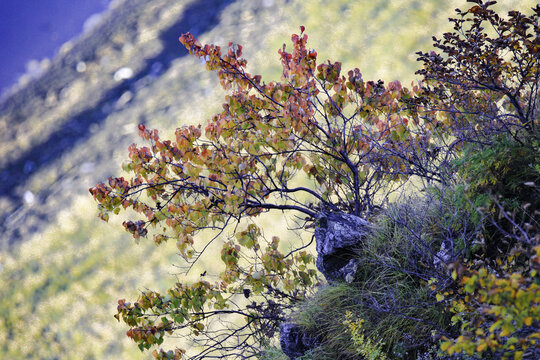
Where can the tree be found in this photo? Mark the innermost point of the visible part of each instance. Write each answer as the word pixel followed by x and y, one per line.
pixel 345 138
pixel 318 141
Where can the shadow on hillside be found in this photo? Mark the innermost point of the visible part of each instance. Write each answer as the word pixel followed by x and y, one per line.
pixel 198 18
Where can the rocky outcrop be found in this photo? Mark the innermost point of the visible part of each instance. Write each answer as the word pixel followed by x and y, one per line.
pixel 337 235
pixel 294 342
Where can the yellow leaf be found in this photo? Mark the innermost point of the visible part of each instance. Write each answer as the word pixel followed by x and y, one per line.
pixel 518 355
pixel 481 347
pixel 528 321
pixel 505 330
pixel 445 345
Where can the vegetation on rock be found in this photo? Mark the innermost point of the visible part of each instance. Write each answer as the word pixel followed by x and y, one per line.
pixel 458 267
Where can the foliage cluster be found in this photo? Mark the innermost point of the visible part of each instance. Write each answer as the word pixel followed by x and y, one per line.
pixel 498 314
pixel 365 347
pixel 494 293
pixel 494 297
pixel 320 141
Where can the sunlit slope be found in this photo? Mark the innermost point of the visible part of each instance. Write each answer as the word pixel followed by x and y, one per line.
pixel 58 293
pixel 60 286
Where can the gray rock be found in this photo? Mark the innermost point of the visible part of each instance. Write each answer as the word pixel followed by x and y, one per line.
pixel 444 256
pixel 348 272
pixel 337 235
pixel 294 342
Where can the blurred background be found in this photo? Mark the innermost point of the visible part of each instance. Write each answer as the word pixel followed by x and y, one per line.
pixel 77 77
pixel 33 31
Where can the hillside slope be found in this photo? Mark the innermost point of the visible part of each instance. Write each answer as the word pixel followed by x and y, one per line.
pixel 70 128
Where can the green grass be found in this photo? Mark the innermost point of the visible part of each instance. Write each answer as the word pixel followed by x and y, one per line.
pixel 389 292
